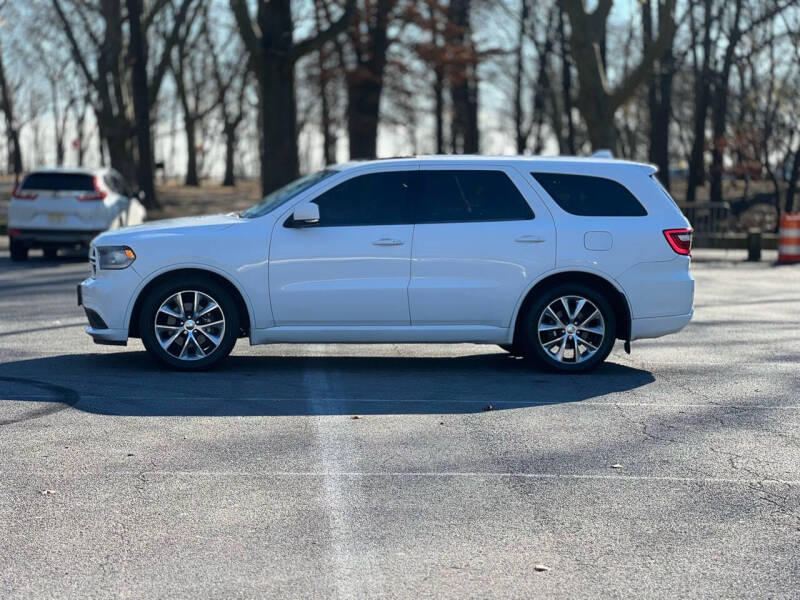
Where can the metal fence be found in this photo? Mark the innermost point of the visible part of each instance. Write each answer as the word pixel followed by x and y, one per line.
pixel 707 217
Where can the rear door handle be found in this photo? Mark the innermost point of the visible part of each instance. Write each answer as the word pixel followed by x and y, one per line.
pixel 387 242
pixel 530 239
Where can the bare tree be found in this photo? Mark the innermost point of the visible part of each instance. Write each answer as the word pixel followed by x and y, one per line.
pixel 231 79
pixel 12 130
pixel 96 42
pixel 597 101
pixel 272 55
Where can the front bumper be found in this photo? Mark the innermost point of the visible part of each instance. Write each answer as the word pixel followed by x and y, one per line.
pixel 106 300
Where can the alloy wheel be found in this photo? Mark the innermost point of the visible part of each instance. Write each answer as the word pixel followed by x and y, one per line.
pixel 571 329
pixel 189 325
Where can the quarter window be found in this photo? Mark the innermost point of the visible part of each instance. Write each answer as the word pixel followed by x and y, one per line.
pixel 372 199
pixel 589 196
pixel 467 196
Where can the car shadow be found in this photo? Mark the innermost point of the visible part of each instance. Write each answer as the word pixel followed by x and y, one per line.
pixel 129 383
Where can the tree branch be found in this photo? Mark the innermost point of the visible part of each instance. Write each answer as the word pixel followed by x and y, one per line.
pixel 635 78
pixel 249 35
pixel 300 49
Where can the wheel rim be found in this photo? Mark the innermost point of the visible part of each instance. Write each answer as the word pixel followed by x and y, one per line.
pixel 189 325
pixel 571 329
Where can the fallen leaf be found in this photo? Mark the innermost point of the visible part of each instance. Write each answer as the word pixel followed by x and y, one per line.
pixel 541 568
pixel 354 417
pixel 47 492
pixel 616 466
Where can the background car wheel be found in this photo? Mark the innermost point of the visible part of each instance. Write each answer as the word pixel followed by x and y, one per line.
pixel 18 251
pixel 570 328
pixel 189 324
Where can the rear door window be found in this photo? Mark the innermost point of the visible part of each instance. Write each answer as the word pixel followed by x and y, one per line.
pixel 462 196
pixel 589 196
pixel 371 199
pixel 58 182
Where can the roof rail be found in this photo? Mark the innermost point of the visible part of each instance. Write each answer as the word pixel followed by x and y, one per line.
pixel 604 153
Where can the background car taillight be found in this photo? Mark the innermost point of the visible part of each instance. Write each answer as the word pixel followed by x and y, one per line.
pixel 97 194
pixel 680 240
pixel 20 195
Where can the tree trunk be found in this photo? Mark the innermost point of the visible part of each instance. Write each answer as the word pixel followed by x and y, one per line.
pixel 363 109
pixel 463 80
pixel 230 155
pixel 279 124
pixel 12 133
pixel 520 131
pixel 659 97
pixel 141 104
pixel 791 190
pixel 191 152
pixel 702 81
pixel 566 83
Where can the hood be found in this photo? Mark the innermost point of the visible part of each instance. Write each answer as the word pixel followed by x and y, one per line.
pixel 168 227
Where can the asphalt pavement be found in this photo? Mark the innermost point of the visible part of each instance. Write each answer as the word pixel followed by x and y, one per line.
pixel 673 472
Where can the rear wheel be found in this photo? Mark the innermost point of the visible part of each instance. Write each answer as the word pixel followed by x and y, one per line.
pixel 19 251
pixel 189 324
pixel 570 328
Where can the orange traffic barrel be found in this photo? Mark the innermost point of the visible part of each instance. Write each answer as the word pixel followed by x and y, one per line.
pixel 789 239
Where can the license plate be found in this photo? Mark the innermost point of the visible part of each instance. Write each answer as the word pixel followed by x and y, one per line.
pixel 80 296
pixel 56 218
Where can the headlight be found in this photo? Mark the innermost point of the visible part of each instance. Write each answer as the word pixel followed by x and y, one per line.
pixel 114 257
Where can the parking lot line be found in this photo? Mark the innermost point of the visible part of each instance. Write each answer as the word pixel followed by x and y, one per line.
pixel 420 475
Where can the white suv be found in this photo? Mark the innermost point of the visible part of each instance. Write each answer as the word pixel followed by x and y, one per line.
pixel 550 258
pixel 58 208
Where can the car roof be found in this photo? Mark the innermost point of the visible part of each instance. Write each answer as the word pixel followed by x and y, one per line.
pixel 521 161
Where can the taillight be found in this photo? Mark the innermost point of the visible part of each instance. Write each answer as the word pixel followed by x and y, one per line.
pixel 97 194
pixel 20 195
pixel 680 240
pixel 13 232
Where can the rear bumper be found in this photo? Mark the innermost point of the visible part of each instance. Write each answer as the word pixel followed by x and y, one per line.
pixel 652 327
pixel 54 236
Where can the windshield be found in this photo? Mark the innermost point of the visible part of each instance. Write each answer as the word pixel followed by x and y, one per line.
pixel 282 195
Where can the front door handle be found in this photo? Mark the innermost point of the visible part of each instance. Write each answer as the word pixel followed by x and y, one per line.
pixel 530 239
pixel 387 242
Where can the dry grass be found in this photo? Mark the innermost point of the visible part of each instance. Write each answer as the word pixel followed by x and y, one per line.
pixel 178 200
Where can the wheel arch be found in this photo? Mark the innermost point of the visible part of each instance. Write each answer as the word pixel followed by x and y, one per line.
pixel 611 290
pixel 236 292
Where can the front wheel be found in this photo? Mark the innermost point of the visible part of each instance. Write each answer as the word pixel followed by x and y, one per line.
pixel 189 324
pixel 570 328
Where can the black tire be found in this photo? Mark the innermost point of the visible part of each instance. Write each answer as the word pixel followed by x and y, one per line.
pixel 212 290
pixel 50 252
pixel 19 251
pixel 597 348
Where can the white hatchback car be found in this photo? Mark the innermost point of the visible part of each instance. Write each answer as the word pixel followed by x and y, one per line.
pixel 61 207
pixel 550 258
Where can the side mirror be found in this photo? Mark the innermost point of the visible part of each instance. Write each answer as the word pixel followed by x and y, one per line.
pixel 305 214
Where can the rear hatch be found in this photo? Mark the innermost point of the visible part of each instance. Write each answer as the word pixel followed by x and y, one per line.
pixel 63 201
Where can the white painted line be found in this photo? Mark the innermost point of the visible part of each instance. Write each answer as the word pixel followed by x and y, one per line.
pixel 421 475
pixel 340 521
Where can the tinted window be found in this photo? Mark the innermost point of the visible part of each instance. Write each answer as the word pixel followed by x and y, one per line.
pixel 590 196
pixel 464 196
pixel 374 199
pixel 65 182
